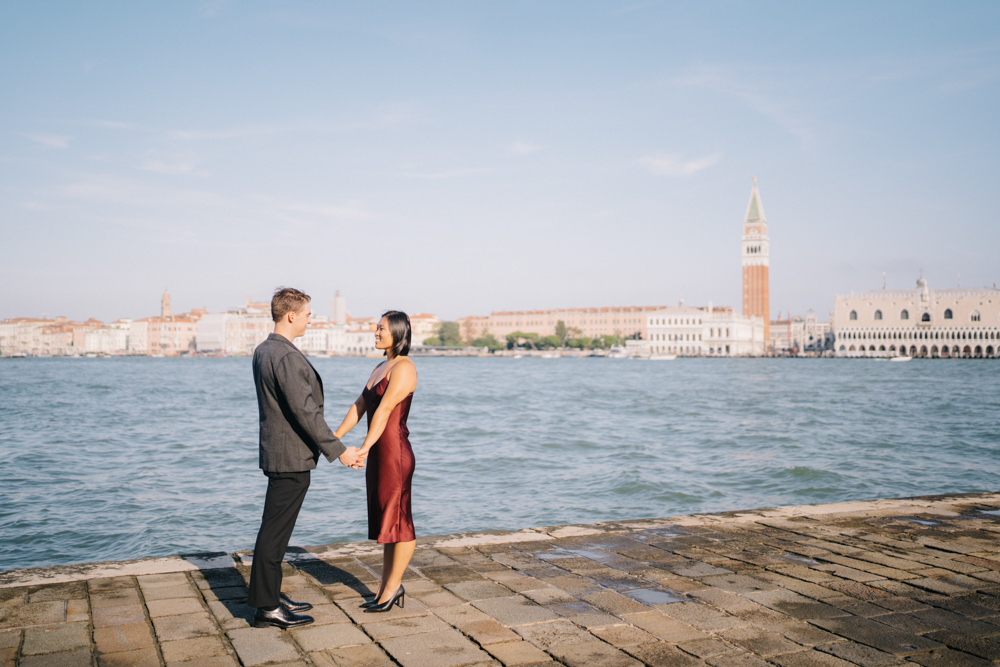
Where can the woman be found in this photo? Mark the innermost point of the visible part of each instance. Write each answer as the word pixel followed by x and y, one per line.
pixel 386 400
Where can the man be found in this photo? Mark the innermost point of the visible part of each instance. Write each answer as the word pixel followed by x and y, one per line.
pixel 293 433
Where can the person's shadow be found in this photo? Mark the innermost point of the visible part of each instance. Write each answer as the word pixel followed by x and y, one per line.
pixel 226 591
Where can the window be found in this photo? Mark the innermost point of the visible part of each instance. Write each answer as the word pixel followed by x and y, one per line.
pixel 947 314
pixel 878 314
pixel 854 315
pixel 975 316
pixel 905 315
pixel 926 317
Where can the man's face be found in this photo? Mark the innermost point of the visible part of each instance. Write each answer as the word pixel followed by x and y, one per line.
pixel 301 319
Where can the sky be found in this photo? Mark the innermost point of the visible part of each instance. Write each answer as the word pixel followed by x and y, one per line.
pixel 463 157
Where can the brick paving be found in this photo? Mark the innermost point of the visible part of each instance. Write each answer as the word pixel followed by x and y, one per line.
pixel 872 584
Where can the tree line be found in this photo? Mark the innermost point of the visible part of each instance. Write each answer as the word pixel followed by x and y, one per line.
pixel 450 334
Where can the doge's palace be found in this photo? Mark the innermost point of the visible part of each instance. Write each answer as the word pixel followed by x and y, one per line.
pixel 960 322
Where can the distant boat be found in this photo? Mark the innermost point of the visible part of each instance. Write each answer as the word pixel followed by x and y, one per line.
pixel 901 359
pixel 518 356
pixel 550 355
pixel 662 357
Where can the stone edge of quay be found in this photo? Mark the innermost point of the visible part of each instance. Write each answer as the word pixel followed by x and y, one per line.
pixel 57 574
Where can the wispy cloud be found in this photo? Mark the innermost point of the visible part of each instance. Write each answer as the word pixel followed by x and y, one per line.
pixel 523 148
pixel 956 71
pixel 752 90
pixel 175 168
pixel 102 188
pixel 39 206
pixel 50 140
pixel 351 211
pixel 674 165
pixel 311 214
pixel 441 175
pixel 109 124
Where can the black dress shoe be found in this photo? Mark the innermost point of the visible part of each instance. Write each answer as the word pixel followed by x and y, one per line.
pixel 293 606
pixel 279 618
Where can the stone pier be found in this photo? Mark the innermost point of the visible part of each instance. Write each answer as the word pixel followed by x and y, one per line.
pixel 890 582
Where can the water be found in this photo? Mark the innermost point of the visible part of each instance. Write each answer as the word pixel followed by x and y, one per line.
pixel 104 459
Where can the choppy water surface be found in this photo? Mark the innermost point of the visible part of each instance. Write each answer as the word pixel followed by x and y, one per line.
pixel 123 458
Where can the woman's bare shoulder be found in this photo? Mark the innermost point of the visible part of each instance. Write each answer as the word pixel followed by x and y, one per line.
pixel 404 371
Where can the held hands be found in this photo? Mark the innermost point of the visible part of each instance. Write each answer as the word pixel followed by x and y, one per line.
pixel 351 459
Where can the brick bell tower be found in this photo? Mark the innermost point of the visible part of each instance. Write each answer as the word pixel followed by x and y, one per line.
pixel 756 260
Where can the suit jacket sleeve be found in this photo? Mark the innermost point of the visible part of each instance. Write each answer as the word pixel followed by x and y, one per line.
pixel 293 376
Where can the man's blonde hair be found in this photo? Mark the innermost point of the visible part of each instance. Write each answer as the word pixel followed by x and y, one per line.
pixel 286 300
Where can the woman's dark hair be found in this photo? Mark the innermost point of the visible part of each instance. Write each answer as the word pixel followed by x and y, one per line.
pixel 399 327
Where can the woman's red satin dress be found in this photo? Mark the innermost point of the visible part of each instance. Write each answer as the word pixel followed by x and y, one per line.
pixel 389 472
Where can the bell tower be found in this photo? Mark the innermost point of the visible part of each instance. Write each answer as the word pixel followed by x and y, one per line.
pixel 166 312
pixel 756 261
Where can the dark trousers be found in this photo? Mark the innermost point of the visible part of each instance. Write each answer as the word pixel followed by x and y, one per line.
pixel 285 493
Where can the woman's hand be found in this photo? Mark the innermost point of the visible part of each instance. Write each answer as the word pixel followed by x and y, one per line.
pixel 350 458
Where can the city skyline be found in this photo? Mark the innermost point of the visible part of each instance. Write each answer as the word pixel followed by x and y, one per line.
pixel 463 159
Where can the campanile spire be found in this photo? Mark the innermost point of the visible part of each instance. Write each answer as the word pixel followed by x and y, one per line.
pixel 756 261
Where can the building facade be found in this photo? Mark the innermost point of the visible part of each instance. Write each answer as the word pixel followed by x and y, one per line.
pixel 338 309
pixel 704 332
pixel 800 335
pixel 756 262
pixel 28 336
pixel 961 322
pixel 422 327
pixel 473 327
pixel 626 322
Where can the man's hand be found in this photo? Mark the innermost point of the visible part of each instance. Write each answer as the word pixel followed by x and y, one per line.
pixel 350 458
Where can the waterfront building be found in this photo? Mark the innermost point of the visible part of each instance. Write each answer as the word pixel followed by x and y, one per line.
pixel 473 327
pixel 756 261
pixel 138 339
pixel 80 330
pixel 423 326
pixel 240 330
pixel 30 336
pixel 698 332
pixel 318 338
pixel 8 338
pixel 959 322
pixel 358 342
pixel 171 337
pixel 236 332
pixel 800 335
pixel 338 309
pixel 39 337
pixel 106 340
pixel 57 338
pixel 626 322
pixel 210 336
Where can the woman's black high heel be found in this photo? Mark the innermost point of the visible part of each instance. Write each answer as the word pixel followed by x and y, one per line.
pixel 370 603
pixel 398 598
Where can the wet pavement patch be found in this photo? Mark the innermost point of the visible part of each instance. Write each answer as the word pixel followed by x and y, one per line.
pixel 651 596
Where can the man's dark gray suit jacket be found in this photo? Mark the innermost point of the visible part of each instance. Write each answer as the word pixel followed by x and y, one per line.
pixel 293 431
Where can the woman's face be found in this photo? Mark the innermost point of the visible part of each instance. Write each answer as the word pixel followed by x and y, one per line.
pixel 383 337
